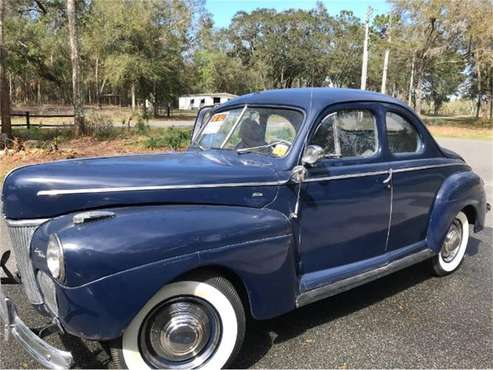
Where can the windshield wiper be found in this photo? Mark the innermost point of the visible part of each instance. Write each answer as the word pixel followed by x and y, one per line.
pixel 274 143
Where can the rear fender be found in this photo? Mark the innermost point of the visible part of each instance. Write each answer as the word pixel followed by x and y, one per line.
pixel 460 190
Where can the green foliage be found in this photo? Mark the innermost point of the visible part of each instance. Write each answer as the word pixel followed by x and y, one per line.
pixel 141 126
pixel 161 49
pixel 43 135
pixel 101 127
pixel 173 138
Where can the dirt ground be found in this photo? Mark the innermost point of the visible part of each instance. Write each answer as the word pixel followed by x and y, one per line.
pixel 84 147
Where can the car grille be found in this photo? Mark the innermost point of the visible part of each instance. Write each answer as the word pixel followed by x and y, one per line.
pixel 21 234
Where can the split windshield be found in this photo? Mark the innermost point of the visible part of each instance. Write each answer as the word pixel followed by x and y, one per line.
pixel 252 129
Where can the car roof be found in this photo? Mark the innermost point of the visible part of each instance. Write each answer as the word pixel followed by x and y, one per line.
pixel 310 98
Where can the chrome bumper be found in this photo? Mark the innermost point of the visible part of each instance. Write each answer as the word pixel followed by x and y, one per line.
pixel 41 351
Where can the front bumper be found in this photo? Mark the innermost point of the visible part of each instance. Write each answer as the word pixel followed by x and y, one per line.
pixel 40 350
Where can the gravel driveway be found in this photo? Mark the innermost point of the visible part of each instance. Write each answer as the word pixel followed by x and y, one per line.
pixel 406 320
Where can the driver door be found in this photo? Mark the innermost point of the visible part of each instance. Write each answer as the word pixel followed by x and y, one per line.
pixel 345 199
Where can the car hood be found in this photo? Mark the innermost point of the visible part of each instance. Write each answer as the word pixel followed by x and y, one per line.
pixel 192 177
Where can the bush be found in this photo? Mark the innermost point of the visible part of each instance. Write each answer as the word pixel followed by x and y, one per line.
pixel 142 126
pixel 100 126
pixel 169 138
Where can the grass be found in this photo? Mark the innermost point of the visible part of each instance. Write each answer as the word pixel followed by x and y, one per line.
pixel 43 145
pixel 466 127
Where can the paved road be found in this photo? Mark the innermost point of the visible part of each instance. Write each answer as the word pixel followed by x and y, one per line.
pixel 407 320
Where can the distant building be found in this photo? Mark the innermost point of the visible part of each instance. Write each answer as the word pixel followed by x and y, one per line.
pixel 197 101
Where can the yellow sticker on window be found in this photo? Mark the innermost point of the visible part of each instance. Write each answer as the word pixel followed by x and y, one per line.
pixel 280 150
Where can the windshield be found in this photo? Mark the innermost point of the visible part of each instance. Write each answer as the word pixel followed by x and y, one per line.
pixel 252 129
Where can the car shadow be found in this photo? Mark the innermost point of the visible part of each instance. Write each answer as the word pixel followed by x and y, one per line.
pixel 262 335
pixel 475 242
pixel 86 355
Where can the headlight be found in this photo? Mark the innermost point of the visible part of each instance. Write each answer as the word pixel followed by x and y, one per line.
pixel 54 258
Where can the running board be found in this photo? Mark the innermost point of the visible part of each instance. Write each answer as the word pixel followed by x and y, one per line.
pixel 340 286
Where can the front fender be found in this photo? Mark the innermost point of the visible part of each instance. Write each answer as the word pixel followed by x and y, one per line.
pixel 114 266
pixel 460 190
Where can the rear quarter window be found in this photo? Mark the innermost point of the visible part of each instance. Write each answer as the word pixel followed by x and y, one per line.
pixel 402 136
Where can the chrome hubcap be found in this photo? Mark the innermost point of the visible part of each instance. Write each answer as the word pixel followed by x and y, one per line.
pixel 452 241
pixel 181 333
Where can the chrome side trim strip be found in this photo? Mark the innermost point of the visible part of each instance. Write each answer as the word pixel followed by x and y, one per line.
pixel 340 286
pixel 25 223
pixel 383 172
pixel 55 192
pixel 347 176
pixel 419 168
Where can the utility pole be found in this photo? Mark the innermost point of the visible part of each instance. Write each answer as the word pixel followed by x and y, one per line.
pixel 364 67
pixel 4 86
pixel 386 57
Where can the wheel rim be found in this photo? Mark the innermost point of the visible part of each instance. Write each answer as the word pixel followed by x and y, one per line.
pixel 452 242
pixel 180 333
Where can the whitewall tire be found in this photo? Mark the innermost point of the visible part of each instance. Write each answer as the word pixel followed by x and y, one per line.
pixel 187 324
pixel 454 246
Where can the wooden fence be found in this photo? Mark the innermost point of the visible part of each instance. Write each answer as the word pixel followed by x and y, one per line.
pixel 28 115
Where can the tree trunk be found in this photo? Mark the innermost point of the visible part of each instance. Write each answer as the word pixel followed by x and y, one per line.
pixel 74 57
pixel 154 88
pixel 419 95
pixel 38 94
pixel 4 86
pixel 491 93
pixel 478 103
pixel 96 72
pixel 11 88
pixel 411 83
pixel 132 92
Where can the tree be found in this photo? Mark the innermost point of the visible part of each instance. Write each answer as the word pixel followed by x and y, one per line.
pixel 4 86
pixel 443 78
pixel 74 57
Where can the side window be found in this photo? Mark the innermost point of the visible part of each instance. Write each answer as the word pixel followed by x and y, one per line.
pixel 347 133
pixel 401 134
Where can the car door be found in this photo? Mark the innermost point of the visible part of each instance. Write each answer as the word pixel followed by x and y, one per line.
pixel 417 176
pixel 345 198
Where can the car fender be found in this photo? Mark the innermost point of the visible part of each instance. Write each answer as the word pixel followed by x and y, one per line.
pixel 458 191
pixel 114 266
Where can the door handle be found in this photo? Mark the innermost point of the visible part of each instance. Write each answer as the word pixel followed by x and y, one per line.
pixel 388 180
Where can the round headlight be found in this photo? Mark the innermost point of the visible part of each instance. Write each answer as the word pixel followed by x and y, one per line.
pixel 54 258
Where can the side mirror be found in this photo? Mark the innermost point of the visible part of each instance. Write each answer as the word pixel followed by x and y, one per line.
pixel 312 154
pixel 298 174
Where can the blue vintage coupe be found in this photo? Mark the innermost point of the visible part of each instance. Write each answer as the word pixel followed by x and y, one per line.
pixel 284 197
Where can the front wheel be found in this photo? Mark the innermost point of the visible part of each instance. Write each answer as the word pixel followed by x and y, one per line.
pixel 453 247
pixel 187 324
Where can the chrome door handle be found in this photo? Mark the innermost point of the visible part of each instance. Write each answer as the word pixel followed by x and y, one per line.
pixel 388 180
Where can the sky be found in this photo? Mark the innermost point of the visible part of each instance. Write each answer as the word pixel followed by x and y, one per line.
pixel 224 10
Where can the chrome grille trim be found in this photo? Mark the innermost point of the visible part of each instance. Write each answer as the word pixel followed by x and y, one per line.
pixel 21 233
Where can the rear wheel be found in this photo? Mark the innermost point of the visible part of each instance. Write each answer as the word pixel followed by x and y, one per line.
pixel 453 247
pixel 196 323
